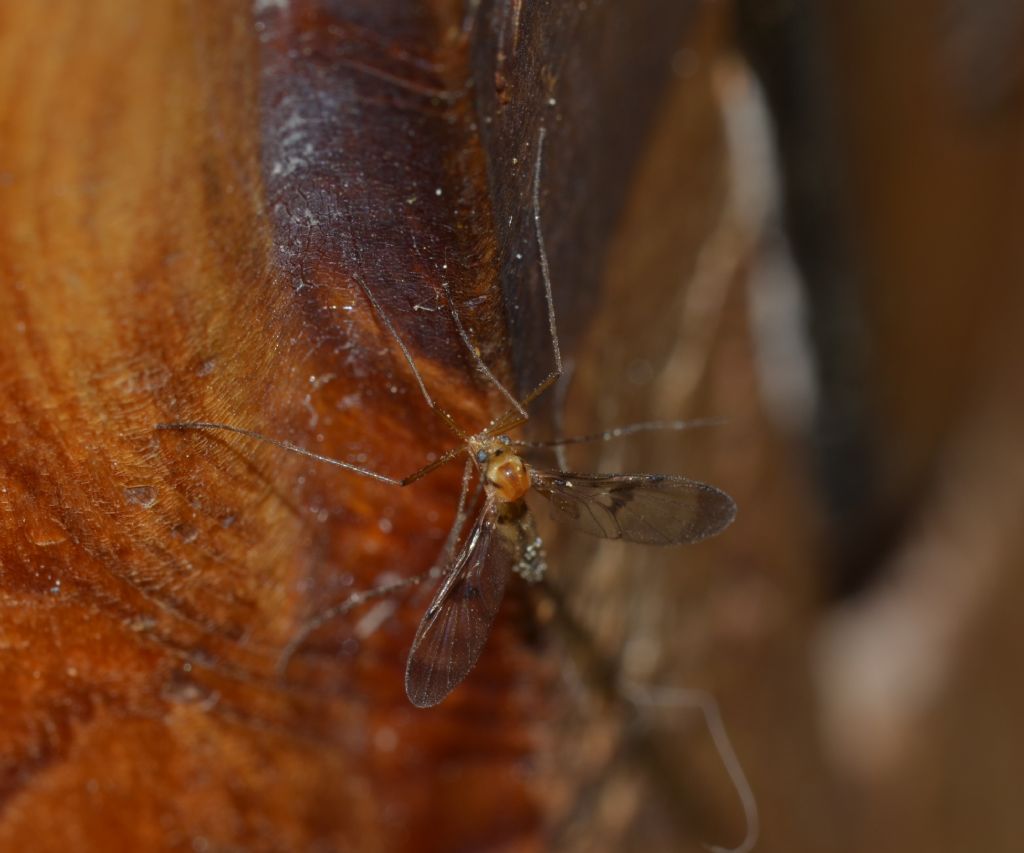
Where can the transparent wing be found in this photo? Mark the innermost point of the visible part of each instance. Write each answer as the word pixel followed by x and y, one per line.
pixel 457 623
pixel 652 509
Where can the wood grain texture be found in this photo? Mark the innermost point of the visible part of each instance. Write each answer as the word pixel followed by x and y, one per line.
pixel 188 191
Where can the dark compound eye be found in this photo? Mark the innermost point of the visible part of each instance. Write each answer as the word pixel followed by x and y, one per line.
pixel 481 456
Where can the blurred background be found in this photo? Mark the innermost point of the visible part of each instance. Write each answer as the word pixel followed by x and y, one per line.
pixel 804 223
pixel 853 308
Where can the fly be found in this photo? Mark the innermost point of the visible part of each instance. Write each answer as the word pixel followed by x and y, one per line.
pixel 647 509
pixel 502 540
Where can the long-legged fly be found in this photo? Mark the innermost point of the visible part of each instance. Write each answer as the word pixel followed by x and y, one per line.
pixel 650 509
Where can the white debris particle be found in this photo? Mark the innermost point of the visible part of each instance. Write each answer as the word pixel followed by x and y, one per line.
pixel 261 6
pixel 376 617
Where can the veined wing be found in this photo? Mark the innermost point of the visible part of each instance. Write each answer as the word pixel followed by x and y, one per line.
pixel 455 627
pixel 652 509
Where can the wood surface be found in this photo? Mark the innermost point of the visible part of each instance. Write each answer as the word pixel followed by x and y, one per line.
pixel 193 196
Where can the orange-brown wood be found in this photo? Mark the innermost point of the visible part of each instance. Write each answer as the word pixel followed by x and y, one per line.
pixel 192 196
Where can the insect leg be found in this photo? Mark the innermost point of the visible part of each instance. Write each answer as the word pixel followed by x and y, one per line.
pixel 474 353
pixel 444 562
pixel 561 393
pixel 443 459
pixel 520 408
pixel 678 697
pixel 623 431
pixel 358 598
pixel 350 603
pixel 511 419
pixel 545 269
pixel 594 667
pixel 386 320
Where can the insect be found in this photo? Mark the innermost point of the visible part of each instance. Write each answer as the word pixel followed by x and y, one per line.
pixel 647 509
pixel 650 509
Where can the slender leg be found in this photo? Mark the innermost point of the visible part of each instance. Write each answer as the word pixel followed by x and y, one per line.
pixel 471 348
pixel 386 320
pixel 561 393
pixel 545 269
pixel 678 697
pixel 623 431
pixel 510 419
pixel 461 512
pixel 350 603
pixel 517 414
pixel 506 422
pixel 443 459
pixel 519 409
pixel 593 667
pixel 474 352
pixel 361 597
